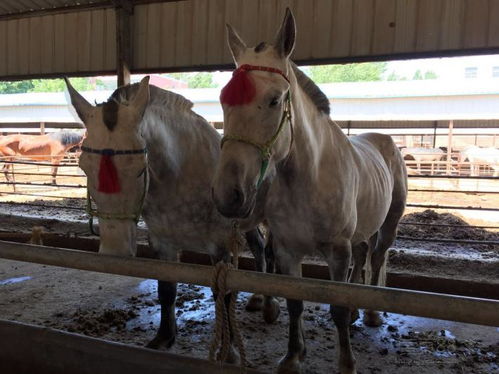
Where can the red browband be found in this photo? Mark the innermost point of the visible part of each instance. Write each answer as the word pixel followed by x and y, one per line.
pixel 247 67
pixel 241 89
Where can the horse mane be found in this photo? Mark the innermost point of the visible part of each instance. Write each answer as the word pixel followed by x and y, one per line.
pixel 66 137
pixel 315 94
pixel 123 95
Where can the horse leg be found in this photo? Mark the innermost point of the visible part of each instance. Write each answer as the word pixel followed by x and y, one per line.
pixel 5 170
pixel 359 253
pixel 291 362
pixel 165 336
pixel 338 260
pixel 255 241
pixel 55 166
pixel 167 294
pixel 385 238
pixel 271 308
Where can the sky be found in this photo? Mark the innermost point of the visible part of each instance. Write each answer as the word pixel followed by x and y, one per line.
pixel 446 68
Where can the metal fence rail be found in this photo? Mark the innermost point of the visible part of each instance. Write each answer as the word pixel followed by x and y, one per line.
pixel 423 304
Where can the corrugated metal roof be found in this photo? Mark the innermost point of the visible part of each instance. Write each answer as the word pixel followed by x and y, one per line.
pixel 12 7
pixel 21 8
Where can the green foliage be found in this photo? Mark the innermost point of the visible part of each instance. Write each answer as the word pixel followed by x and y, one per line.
pixel 58 85
pixel 195 80
pixel 427 75
pixel 48 85
pixel 395 77
pixel 430 75
pixel 15 87
pixel 367 71
pixel 417 75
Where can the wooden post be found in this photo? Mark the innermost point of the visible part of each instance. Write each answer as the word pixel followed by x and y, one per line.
pixel 42 128
pixel 124 11
pixel 26 349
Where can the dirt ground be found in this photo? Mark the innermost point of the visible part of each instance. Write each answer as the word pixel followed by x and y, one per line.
pixel 126 309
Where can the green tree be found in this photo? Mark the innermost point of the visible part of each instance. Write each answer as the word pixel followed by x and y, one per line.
pixel 366 71
pixel 195 80
pixel 395 77
pixel 15 87
pixel 58 85
pixel 417 75
pixel 430 75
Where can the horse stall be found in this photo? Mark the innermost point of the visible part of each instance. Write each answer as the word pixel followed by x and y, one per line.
pixel 66 308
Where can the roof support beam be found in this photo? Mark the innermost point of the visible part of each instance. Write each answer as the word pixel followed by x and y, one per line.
pixel 124 15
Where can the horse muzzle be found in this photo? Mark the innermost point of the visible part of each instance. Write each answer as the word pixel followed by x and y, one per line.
pixel 233 202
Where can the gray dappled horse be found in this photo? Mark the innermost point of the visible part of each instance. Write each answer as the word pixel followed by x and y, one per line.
pixel 146 152
pixel 328 194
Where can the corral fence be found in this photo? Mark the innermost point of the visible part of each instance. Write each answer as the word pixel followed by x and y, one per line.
pixel 69 349
pixel 416 303
pixel 33 180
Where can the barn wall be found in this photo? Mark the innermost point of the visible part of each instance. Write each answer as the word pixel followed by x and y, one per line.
pixel 191 34
pixel 58 44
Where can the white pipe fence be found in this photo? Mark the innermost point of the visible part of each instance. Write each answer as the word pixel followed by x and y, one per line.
pixel 423 304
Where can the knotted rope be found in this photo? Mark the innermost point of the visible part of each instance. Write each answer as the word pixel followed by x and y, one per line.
pixel 225 320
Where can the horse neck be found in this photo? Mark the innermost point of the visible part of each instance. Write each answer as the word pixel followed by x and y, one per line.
pixel 174 138
pixel 315 135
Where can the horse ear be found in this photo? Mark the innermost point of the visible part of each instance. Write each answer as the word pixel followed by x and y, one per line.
pixel 286 36
pixel 236 44
pixel 81 105
pixel 141 99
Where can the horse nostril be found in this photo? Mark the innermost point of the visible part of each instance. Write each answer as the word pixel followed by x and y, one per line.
pixel 237 197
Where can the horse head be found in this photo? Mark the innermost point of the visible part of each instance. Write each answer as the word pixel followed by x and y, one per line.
pixel 114 160
pixel 257 119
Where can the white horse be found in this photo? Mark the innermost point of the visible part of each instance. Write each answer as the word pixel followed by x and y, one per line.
pixel 147 152
pixel 329 194
pixel 481 156
pixel 420 155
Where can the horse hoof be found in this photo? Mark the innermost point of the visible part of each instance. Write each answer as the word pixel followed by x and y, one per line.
pixel 161 341
pixel 347 370
pixel 289 365
pixel 255 303
pixel 271 310
pixel 372 319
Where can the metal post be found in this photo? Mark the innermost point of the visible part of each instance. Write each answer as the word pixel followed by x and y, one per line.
pixel 449 146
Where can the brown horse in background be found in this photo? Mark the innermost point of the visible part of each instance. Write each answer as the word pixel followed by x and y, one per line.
pixel 51 147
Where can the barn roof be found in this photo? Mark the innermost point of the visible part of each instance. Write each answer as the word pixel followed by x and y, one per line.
pixel 27 8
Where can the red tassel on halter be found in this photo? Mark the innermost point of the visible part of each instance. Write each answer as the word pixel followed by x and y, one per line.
pixel 108 175
pixel 240 90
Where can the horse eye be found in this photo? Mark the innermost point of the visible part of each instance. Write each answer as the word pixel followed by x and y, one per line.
pixel 274 102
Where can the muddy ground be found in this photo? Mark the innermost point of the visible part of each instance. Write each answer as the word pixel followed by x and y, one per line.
pixel 126 309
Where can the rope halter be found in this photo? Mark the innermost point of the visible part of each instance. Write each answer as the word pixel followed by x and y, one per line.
pixel 241 90
pixel 107 167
